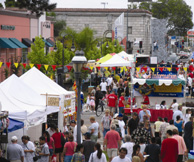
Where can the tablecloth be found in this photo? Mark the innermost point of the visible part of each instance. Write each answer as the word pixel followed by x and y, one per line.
pixel 154 113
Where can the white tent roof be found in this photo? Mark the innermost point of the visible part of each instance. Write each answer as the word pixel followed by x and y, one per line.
pixel 126 56
pixel 116 60
pixel 14 111
pixel 24 98
pixel 41 83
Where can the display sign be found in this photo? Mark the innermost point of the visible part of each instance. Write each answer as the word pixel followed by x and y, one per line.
pixel 7 27
pixel 155 71
pixel 67 103
pixel 53 101
pixel 160 91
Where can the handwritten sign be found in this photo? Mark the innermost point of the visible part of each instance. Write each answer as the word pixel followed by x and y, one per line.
pixel 53 101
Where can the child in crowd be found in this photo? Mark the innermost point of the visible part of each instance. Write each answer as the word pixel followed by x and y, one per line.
pixel 92 102
pixel 88 102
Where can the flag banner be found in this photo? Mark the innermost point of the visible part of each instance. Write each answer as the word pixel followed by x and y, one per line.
pixel 54 67
pixel 31 65
pixel 16 64
pixel 1 63
pixel 39 66
pixel 24 64
pixel 153 69
pixel 46 67
pixel 91 67
pixel 169 69
pixel 8 64
pixel 119 27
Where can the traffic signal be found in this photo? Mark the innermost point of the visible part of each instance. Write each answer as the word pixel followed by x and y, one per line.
pixel 140 44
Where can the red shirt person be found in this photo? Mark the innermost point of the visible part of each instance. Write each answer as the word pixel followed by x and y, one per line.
pixel 169 149
pixel 146 100
pixel 112 101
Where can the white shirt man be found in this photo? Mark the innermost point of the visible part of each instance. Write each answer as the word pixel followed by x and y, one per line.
pixel 29 150
pixel 122 125
pixel 122 156
pixel 129 146
pixel 177 113
pixel 109 80
pixel 189 81
pixel 174 105
pixel 75 134
pixel 103 86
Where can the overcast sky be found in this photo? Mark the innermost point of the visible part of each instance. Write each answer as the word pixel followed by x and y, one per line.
pixel 97 3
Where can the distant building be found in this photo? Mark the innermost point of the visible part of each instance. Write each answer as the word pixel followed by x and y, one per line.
pixel 18 28
pixel 102 21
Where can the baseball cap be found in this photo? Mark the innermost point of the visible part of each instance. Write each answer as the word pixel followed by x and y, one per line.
pixel 14 138
pixel 115 116
pixel 120 115
pixel 88 134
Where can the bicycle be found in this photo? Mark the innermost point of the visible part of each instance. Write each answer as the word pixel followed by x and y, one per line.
pixel 100 107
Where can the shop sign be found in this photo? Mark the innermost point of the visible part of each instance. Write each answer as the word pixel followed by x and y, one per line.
pixel 7 27
pixel 53 101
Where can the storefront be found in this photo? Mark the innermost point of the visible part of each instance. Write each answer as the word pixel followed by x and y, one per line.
pixel 17 32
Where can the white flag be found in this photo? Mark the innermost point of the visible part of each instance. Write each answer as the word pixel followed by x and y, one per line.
pixel 119 27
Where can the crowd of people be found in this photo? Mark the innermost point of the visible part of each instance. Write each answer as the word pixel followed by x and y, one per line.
pixel 125 139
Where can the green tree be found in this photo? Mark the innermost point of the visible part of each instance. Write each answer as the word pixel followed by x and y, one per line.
pixel 10 3
pixel 58 27
pixel 1 5
pixel 36 6
pixel 56 56
pixel 111 47
pixel 177 12
pixel 38 55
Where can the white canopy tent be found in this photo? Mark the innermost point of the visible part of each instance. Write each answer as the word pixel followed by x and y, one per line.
pixel 116 60
pixel 44 85
pixel 126 56
pixel 24 98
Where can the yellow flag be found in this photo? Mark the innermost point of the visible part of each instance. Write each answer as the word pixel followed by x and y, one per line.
pixel 16 65
pixel 121 69
pixel 31 65
pixel 106 68
pixel 185 68
pixel 1 63
pixel 137 68
pixel 153 69
pixel 91 67
pixel 169 69
pixel 125 68
pixel 46 67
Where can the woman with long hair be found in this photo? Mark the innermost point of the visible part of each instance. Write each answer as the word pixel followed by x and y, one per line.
pixel 136 152
pixel 50 143
pixel 98 155
pixel 57 136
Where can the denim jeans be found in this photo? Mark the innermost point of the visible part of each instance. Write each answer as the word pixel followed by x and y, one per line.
pixel 68 158
pixel 120 109
pixel 105 131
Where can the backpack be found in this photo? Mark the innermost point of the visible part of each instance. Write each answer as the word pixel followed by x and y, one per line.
pixel 100 95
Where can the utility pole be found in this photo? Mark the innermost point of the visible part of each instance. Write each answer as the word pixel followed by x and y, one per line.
pixel 104 3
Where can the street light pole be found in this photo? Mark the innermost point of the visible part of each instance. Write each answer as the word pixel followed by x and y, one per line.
pixel 78 61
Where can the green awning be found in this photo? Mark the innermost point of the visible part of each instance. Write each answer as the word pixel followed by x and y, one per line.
pixel 152 81
pixel 6 43
pixel 18 43
pixel 47 43
pixel 178 81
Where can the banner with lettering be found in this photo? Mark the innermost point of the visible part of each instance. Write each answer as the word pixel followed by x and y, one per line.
pixel 160 91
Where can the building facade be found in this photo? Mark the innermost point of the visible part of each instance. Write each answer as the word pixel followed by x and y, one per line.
pixel 18 29
pixel 102 21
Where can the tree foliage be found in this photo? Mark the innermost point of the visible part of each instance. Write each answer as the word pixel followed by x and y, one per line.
pixel 36 6
pixel 58 27
pixel 38 55
pixel 10 3
pixel 1 5
pixel 177 12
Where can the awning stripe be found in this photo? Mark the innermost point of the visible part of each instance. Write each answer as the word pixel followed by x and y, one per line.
pixel 47 43
pixel 18 43
pixel 6 43
pixel 27 42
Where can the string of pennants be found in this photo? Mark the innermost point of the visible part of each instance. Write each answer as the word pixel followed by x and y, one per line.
pixel 160 68
pixel 114 68
pixel 32 65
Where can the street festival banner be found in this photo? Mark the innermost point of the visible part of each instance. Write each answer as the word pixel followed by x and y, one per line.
pixel 155 71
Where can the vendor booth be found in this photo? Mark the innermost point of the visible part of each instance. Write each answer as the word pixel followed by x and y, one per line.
pixel 58 100
pixel 159 83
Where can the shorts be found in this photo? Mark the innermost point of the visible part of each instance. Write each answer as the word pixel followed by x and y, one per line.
pixel 51 152
pixel 112 152
pixel 112 109
pixel 58 150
